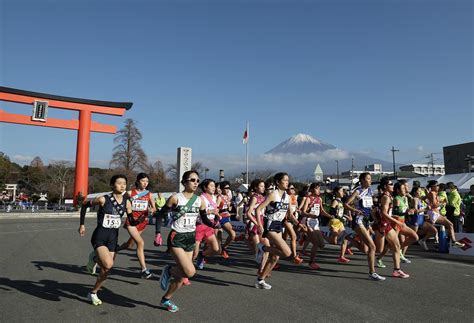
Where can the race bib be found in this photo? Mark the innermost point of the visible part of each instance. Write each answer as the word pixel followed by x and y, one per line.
pixel 367 202
pixel 340 212
pixel 316 209
pixel 188 221
pixel 279 216
pixel 139 205
pixel 111 221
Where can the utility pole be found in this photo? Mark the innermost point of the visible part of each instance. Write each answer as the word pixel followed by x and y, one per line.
pixel 431 158
pixel 337 171
pixel 352 172
pixel 393 150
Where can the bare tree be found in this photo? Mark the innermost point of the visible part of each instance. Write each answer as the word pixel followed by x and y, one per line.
pixel 128 153
pixel 61 172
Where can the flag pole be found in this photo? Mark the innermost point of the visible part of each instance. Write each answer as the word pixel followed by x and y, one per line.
pixel 247 157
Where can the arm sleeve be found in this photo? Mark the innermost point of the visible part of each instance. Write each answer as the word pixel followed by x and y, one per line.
pixel 83 212
pixel 205 219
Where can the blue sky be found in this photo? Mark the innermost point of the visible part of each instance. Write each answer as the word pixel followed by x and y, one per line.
pixel 361 75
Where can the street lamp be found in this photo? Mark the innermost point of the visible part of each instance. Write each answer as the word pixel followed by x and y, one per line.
pixel 337 171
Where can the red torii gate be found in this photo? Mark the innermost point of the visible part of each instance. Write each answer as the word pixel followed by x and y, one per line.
pixel 84 125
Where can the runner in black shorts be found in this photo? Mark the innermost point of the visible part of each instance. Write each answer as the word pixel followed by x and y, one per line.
pixel 105 236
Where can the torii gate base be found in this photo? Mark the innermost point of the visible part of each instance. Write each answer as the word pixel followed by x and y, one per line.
pixel 84 125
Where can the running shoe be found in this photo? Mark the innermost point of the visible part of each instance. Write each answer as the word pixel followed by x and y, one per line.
pixel 165 278
pixel 224 254
pixel 169 305
pixel 314 266
pixel 376 277
pixel 94 299
pixel 276 267
pixel 349 251
pixel 146 274
pixel 158 240
pixel 399 274
pixel 297 260
pixel 262 285
pixel 186 281
pixel 200 262
pixel 343 260
pixel 91 264
pixel 404 259
pixel 457 244
pixel 380 263
pixel 422 243
pixel 260 252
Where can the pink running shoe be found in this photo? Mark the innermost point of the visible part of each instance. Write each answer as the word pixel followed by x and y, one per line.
pixel 314 265
pixel 186 281
pixel 399 274
pixel 158 240
pixel 343 260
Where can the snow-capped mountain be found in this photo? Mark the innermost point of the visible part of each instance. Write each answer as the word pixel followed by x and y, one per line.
pixel 300 154
pixel 300 144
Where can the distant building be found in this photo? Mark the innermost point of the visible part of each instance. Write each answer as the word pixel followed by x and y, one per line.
pixel 318 174
pixel 424 169
pixel 455 158
pixel 374 168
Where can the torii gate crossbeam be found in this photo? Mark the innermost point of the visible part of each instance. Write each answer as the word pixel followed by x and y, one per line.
pixel 84 125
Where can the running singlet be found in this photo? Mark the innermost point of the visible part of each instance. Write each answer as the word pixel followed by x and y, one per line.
pixel 187 221
pixel 402 208
pixel 315 205
pixel 276 211
pixel 259 198
pixel 224 206
pixel 140 202
pixel 211 204
pixel 338 211
pixel 110 215
pixel 365 201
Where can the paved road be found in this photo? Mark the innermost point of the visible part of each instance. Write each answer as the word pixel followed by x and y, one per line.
pixel 42 277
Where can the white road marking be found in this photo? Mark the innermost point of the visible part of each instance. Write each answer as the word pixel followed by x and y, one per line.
pixel 26 231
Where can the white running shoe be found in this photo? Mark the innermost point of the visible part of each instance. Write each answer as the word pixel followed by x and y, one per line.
pixel 376 277
pixel 404 259
pixel 457 244
pixel 94 299
pixel 260 252
pixel 262 285
pixel 423 244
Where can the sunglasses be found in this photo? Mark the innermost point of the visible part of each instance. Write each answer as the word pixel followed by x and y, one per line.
pixel 194 180
pixel 292 188
pixel 227 188
pixel 391 184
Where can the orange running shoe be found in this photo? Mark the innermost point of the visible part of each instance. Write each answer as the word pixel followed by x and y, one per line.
pixel 349 252
pixel 224 254
pixel 297 260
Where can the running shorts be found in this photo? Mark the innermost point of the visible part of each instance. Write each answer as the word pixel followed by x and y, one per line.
pixel 105 237
pixel 203 232
pixel 185 240
pixel 336 225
